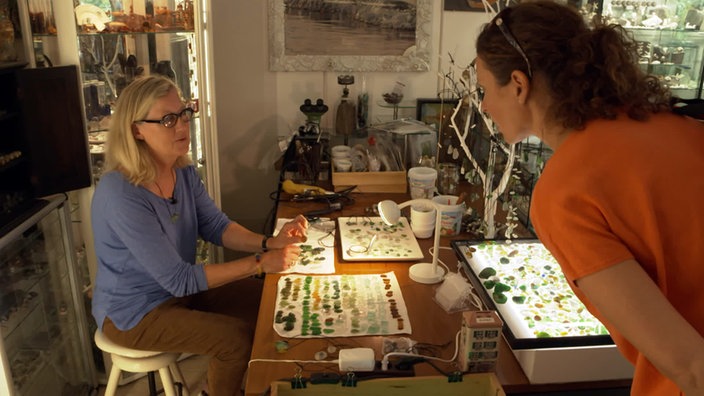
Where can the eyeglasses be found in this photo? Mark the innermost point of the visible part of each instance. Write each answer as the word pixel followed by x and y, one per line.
pixel 171 119
pixel 512 40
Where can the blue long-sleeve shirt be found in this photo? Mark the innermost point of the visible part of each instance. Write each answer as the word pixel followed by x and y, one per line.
pixel 146 245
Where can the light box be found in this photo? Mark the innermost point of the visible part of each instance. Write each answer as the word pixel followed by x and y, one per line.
pixel 545 324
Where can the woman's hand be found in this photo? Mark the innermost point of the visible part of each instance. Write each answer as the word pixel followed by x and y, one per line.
pixel 277 260
pixel 295 231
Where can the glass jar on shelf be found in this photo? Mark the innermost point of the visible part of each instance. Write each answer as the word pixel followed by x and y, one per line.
pixel 8 53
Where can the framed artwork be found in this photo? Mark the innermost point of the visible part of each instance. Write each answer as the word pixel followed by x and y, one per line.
pixel 476 5
pixel 431 111
pixel 350 36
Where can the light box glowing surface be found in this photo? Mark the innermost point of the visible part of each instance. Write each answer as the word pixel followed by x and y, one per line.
pixel 525 284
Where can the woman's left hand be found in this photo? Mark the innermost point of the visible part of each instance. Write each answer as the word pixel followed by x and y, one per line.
pixel 295 231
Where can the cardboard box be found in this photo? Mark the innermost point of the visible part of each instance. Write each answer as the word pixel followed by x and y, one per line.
pixel 479 341
pixel 370 182
pixel 472 384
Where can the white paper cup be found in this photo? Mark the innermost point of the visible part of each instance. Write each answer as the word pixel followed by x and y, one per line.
pixel 450 214
pixel 421 182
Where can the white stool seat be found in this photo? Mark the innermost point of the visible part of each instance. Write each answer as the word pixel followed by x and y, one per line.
pixel 138 361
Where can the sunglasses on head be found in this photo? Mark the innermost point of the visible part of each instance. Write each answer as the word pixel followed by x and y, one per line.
pixel 501 24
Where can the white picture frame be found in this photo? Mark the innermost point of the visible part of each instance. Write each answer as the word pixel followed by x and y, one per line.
pixel 414 58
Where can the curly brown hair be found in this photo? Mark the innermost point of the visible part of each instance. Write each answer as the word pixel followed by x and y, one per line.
pixel 591 72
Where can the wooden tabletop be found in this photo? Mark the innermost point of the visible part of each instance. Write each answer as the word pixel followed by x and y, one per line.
pixel 432 327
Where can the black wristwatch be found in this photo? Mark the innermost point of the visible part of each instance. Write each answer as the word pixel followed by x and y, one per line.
pixel 266 238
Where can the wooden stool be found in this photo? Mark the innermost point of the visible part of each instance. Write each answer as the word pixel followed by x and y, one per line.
pixel 138 361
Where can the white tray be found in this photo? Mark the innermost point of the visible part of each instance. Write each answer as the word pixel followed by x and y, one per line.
pixel 393 243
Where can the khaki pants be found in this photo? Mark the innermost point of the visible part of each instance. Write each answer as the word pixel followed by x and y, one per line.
pixel 218 322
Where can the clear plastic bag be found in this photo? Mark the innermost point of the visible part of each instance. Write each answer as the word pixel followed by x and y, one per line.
pixel 453 294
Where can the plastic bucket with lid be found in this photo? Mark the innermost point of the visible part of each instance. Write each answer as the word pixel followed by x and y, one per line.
pixel 450 214
pixel 421 182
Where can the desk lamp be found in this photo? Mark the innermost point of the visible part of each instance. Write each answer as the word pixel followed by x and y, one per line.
pixel 427 273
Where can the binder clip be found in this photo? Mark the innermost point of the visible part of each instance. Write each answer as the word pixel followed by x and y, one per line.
pixel 298 382
pixel 456 376
pixel 350 380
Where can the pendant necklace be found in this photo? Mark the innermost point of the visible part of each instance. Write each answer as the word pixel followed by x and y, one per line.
pixel 172 200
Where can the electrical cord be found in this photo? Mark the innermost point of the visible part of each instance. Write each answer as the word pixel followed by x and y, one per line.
pixel 431 250
pixel 385 360
pixel 476 300
pixel 438 369
pixel 292 361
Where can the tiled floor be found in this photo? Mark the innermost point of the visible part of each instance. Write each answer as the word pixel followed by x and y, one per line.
pixel 193 369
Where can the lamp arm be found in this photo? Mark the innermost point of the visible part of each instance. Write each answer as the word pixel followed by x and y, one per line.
pixel 415 201
pixel 436 242
pixel 438 217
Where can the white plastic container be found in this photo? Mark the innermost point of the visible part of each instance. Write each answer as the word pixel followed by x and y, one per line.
pixel 421 182
pixel 450 214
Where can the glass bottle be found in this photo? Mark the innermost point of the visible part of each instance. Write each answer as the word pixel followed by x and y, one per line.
pixel 363 106
pixel 346 116
pixel 7 39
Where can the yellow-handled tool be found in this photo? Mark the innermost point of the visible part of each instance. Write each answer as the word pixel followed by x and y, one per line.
pixel 294 188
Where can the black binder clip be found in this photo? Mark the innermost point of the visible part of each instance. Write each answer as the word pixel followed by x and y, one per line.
pixel 298 382
pixel 455 377
pixel 350 380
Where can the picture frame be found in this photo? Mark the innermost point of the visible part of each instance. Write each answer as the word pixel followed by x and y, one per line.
pixel 432 110
pixel 476 5
pixel 315 55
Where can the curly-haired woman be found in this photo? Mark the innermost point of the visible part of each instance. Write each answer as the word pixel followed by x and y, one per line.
pixel 619 202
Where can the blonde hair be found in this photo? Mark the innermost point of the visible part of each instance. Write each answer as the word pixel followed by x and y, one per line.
pixel 124 153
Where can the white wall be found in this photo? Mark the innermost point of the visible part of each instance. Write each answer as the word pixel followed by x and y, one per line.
pixel 254 106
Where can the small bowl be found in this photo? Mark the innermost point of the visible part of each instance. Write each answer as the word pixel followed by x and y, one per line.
pixel 342 165
pixel 341 151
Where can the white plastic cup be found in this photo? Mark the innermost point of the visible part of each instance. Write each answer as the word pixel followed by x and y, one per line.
pixel 422 220
pixel 450 214
pixel 421 182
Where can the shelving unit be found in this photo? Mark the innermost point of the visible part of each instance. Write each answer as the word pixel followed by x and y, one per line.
pixel 112 46
pixel 110 61
pixel 671 44
pixel 45 343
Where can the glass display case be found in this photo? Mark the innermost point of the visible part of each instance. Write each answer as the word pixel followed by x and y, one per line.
pixel 44 345
pixel 120 42
pixel 669 37
pixel 544 321
pixel 115 42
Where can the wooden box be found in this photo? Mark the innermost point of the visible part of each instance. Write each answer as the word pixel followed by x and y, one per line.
pixel 485 384
pixel 370 182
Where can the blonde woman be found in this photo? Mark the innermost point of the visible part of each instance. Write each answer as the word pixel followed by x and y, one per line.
pixel 148 210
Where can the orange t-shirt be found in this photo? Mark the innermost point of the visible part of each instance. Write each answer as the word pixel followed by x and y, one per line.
pixel 623 189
